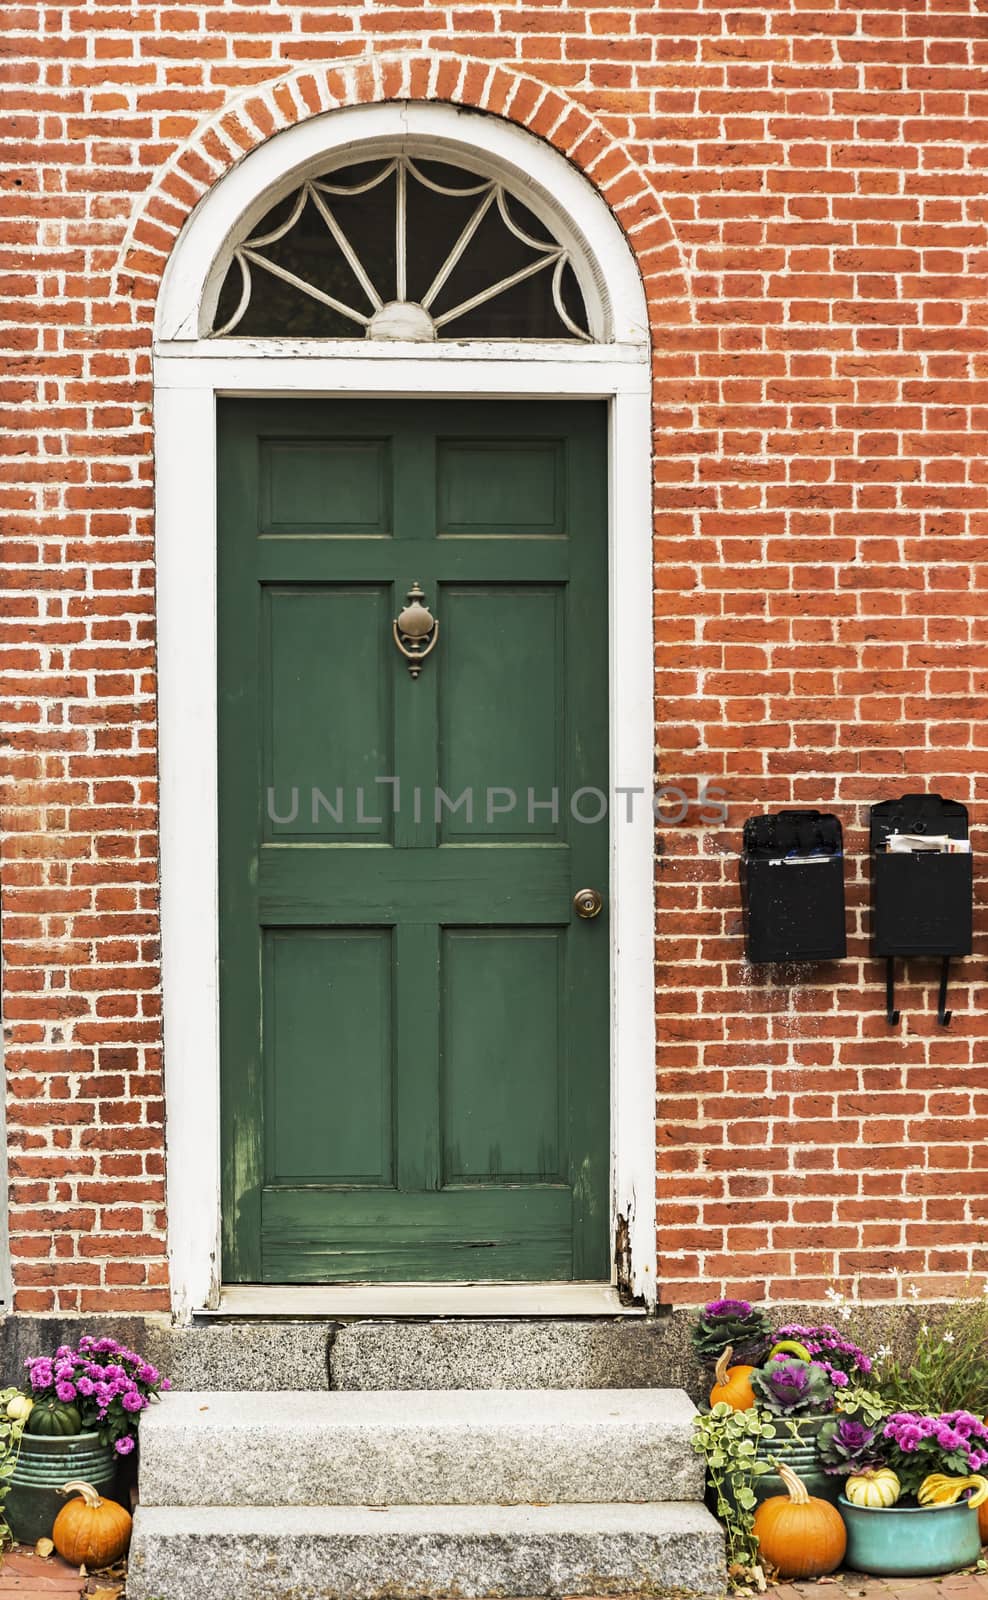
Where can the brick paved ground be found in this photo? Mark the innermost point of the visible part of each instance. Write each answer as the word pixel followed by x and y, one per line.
pixel 24 1574
pixel 30 1578
pixel 852 1586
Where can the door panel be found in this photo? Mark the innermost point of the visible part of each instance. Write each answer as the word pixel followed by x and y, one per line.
pixel 346 737
pixel 501 710
pixel 492 488
pixel 501 1001
pixel 328 1055
pixel 326 486
pixel 415 1038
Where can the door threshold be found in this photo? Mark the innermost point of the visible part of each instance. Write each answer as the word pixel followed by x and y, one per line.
pixel 422 1300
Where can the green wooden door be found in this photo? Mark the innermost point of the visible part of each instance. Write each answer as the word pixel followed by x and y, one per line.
pixel 415 1030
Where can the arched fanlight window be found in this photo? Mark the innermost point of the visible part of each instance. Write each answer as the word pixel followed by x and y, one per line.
pixel 401 249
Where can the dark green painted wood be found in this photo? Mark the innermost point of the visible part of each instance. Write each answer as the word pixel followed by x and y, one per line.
pixel 415 1031
pixel 328 1050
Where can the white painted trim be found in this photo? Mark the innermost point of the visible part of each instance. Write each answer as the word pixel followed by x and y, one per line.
pixel 189 373
pixel 423 1300
pixel 545 180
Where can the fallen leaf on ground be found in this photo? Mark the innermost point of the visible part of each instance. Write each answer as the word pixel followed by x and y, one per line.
pixel 44 1548
pixel 106 1594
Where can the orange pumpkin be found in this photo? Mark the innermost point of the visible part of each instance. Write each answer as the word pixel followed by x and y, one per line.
pixel 800 1536
pixel 983 1522
pixel 89 1531
pixel 733 1384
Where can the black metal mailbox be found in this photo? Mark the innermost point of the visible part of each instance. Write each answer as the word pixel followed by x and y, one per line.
pixel 792 887
pixel 921 897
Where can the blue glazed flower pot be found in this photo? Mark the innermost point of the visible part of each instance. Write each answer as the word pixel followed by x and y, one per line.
pixel 44 1463
pixel 910 1541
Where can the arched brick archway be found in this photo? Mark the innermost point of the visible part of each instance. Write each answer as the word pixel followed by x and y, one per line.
pixel 477 85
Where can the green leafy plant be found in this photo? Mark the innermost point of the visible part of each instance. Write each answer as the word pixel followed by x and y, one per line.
pixel 947 1370
pixel 728 1441
pixel 865 1404
pixel 11 1429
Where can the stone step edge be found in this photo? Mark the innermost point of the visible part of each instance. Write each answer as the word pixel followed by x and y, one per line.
pixel 505 1448
pixel 430 1552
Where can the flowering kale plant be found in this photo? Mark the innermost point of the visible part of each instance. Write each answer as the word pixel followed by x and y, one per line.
pixel 842 1359
pixel 954 1443
pixel 846 1446
pixel 793 1388
pixel 109 1386
pixel 744 1327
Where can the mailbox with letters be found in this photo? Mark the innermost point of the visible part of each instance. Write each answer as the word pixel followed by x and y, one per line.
pixel 792 887
pixel 922 886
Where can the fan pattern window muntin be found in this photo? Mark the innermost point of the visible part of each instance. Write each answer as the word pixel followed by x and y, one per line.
pixel 399 317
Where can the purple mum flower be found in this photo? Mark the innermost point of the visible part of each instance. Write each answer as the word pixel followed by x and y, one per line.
pixel 124 1446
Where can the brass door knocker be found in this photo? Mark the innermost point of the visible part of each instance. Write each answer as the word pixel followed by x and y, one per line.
pixel 416 630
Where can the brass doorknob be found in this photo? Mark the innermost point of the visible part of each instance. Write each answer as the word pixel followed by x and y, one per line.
pixel 587 903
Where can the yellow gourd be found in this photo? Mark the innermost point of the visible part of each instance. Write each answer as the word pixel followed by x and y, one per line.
pixel 732 1386
pixel 939 1490
pixel 20 1408
pixel 875 1487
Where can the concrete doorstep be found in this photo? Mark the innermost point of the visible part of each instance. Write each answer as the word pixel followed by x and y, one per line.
pixel 409 1552
pixel 507 1447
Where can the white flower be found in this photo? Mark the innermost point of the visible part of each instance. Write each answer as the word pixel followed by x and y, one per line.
pixel 948 1337
pixel 884 1351
pixel 914 1291
pixel 924 1328
pixel 845 1313
pixel 835 1296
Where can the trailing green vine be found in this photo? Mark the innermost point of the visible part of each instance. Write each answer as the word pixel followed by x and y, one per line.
pixel 10 1443
pixel 728 1441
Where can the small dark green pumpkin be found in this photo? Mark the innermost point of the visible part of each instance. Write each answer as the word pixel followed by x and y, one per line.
pixel 53 1418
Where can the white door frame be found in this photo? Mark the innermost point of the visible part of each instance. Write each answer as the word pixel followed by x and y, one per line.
pixel 190 372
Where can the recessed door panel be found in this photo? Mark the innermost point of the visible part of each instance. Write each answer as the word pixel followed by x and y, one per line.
pixel 502 487
pixel 325 487
pixel 328 1056
pixel 502 708
pixel 326 668
pixel 502 1061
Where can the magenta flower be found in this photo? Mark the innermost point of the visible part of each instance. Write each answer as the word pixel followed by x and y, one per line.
pixel 109 1384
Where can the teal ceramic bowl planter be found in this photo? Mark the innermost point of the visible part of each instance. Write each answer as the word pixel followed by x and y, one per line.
pixel 910 1541
pixel 46 1462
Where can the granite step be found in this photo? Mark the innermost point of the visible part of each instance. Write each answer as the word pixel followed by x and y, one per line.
pixel 419 1448
pixel 426 1552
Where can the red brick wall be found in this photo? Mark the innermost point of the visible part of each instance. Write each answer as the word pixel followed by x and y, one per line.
pixel 805 186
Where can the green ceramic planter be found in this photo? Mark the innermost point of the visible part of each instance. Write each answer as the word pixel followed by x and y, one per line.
pixel 910 1541
pixel 800 1453
pixel 43 1466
